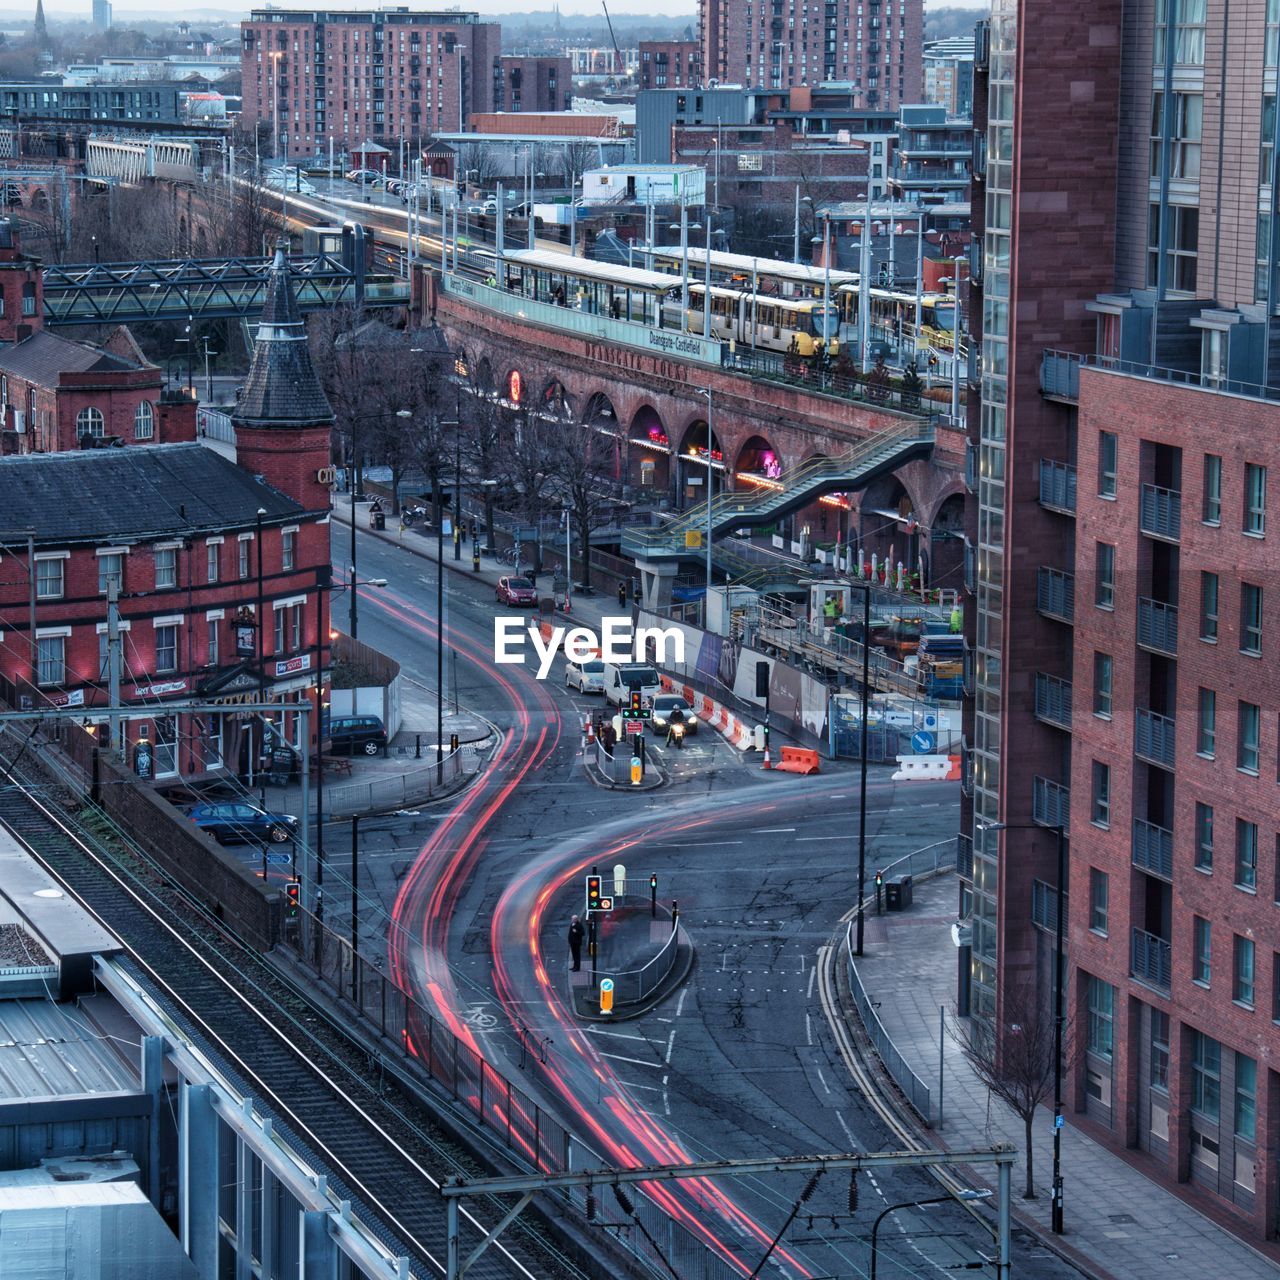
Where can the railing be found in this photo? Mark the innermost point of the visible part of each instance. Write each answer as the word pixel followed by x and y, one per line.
pixel 1060 374
pixel 1180 377
pixel 1044 906
pixel 964 857
pixel 1153 737
pixel 1056 594
pixel 914 1089
pixel 1153 849
pixel 1150 960
pixel 414 787
pixel 1160 513
pixel 1053 700
pixel 1157 626
pixel 635 985
pixel 1050 803
pixel 1057 485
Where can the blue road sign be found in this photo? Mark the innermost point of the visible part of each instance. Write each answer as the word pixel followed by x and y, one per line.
pixel 1058 1121
pixel 923 742
pixel 279 859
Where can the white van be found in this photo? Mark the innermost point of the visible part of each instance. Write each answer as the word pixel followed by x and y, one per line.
pixel 621 678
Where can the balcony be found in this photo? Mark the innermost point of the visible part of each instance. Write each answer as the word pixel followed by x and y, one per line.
pixel 971 466
pixel 1050 803
pixel 1157 626
pixel 1058 486
pixel 1160 513
pixel 1060 375
pixel 1044 906
pixel 1153 738
pixel 1152 849
pixel 1150 960
pixel 1053 700
pixel 964 857
pixel 1056 594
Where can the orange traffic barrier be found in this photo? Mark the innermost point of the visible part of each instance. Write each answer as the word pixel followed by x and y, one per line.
pixel 953 770
pixel 797 760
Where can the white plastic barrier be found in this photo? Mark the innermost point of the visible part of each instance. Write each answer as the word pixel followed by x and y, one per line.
pixel 922 769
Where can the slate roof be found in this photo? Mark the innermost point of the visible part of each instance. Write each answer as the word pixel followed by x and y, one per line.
pixel 140 493
pixel 43 356
pixel 282 389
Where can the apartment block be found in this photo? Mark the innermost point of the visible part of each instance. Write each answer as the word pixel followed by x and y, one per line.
pixel 670 64
pixel 533 83
pixel 346 76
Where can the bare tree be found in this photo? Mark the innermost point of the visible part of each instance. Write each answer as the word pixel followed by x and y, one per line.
pixel 581 457
pixel 530 464
pixel 486 426
pixel 575 159
pixel 1021 1073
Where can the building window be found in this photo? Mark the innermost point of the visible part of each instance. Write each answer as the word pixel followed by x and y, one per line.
pixel 166 568
pixel 1202 950
pixel 1099 893
pixel 1159 1050
pixel 1181 250
pixel 1101 811
pixel 1206 1075
pixel 1101 1015
pixel 110 573
pixel 1107 464
pixel 244 558
pixel 89 423
pixel 278 630
pixel 144 422
pixel 1209 607
pixel 1186 18
pixel 1246 1108
pixel 166 648
pixel 295 628
pixel 1246 854
pixel 49 579
pixel 1255 499
pixel 1211 509
pixel 1275 986
pixel 212 555
pixel 1204 836
pixel 1250 619
pixel 1105 589
pixel 288 547
pixel 51 660
pixel 212 626
pixel 1102 684
pixel 1207 723
pixel 1242 970
pixel 1248 721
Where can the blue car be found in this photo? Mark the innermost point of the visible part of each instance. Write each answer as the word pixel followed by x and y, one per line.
pixel 235 822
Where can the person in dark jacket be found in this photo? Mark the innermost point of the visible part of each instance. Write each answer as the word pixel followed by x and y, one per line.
pixel 576 935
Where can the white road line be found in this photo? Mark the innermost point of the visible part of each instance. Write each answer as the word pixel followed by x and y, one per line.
pixel 823 1078
pixel 812 839
pixel 853 1146
pixel 639 1062
pixel 774 831
pixel 618 1035
pixel 648 1088
pixel 671 1042
pixel 813 973
pixel 680 1003
pixel 696 844
pixel 808 1030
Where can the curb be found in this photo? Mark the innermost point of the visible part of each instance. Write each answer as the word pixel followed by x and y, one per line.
pixel 597 779
pixel 680 970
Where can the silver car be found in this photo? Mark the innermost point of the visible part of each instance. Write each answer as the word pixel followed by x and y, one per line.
pixel 586 677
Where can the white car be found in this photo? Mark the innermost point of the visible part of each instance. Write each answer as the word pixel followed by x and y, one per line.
pixel 586 677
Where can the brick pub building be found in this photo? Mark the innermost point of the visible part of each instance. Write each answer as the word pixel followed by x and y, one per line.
pixel 199 550
pixel 1127 621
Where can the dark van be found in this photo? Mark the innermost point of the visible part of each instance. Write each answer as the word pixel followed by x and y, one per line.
pixel 357 733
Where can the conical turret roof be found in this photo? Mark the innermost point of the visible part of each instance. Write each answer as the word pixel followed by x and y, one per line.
pixel 282 389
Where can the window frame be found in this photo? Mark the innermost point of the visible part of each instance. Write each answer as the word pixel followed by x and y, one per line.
pixel 1108 452
pixel 1104 591
pixel 1159 1057
pixel 1204 820
pixel 1253 520
pixel 166 565
pixel 1246 1093
pixel 1210 606
pixel 1248 745
pixel 51 577
pixel 1207 723
pixel 43 681
pixel 1100 795
pixel 1251 605
pixel 1101 1018
pixel 1244 976
pixel 1246 864
pixel 1211 500
pixel 163 631
pixel 90 422
pixel 1103 684
pixel 1201 951
pixel 144 421
pixel 1099 901
pixel 1206 1076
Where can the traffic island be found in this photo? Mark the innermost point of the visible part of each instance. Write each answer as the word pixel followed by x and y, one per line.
pixel 641 958
pixel 614 772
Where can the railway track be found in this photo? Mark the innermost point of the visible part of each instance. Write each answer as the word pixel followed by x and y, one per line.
pixel 380 1148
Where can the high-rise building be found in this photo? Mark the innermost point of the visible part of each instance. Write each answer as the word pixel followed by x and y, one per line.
pixel 874 45
pixel 670 64
pixel 1125 575
pixel 102 15
pixel 354 75
pixel 948 74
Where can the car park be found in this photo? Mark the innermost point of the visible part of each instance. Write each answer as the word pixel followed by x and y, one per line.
pixel 586 677
pixel 365 734
pixel 516 591
pixel 238 822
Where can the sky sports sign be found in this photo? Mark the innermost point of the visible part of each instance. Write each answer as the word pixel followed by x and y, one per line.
pixel 618 640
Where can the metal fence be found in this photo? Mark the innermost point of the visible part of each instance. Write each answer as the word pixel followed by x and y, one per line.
pixel 532 1137
pixel 634 985
pixel 918 864
pixel 401 789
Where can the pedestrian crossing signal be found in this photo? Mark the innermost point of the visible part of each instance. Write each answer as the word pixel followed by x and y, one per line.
pixel 292 894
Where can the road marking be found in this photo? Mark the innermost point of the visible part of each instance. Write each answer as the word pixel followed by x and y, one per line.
pixel 812 839
pixel 808 1030
pixel 774 831
pixel 701 844
pixel 648 1088
pixel 680 1003
pixel 813 973
pixel 599 1031
pixel 639 1062
pixel 823 1078
pixel 671 1042
pixel 853 1145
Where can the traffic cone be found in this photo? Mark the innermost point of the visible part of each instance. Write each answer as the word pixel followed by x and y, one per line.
pixel 591 731
pixel 768 764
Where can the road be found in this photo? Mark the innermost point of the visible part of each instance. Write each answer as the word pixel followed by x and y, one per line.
pixel 740 1062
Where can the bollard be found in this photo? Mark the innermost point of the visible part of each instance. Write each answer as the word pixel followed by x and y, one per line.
pixel 637 771
pixel 653 897
pixel 606 995
pixel 417 746
pixel 675 914
pixel 475 558
pixel 453 742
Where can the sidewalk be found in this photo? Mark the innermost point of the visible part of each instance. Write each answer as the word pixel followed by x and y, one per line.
pixel 1119 1223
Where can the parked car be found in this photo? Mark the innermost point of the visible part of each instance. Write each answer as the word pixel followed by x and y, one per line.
pixel 236 822
pixel 664 704
pixel 366 734
pixel 363 175
pixel 586 677
pixel 516 591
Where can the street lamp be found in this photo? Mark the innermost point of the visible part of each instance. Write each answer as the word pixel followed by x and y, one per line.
pixel 262 664
pixel 1059 981
pixel 706 391
pixel 865 588
pixel 965 1195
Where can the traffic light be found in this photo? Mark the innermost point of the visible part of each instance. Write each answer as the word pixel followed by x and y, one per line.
pixel 879 878
pixel 593 893
pixel 292 896
pixel 635 708
pixel 853 1191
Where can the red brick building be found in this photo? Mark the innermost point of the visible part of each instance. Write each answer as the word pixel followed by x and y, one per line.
pixel 670 64
pixel 21 286
pixel 528 82
pixel 199 550
pixel 317 76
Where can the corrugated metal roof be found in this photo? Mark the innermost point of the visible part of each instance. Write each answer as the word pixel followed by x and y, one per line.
pixel 50 1050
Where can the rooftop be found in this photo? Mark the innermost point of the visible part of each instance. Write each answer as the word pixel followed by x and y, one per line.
pixel 44 357
pixel 51 1050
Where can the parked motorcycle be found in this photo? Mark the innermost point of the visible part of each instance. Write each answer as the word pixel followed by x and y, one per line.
pixel 411 515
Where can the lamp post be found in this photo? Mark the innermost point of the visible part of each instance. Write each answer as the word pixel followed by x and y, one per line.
pixel 208 376
pixel 1059 981
pixel 358 496
pixel 706 391
pixel 262 665
pixel 915 1204
pixel 706 285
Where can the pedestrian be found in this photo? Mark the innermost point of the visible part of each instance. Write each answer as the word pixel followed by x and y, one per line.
pixel 576 935
pixel 622 594
pixel 533 576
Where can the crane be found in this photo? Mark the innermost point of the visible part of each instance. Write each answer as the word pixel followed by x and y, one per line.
pixel 617 53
